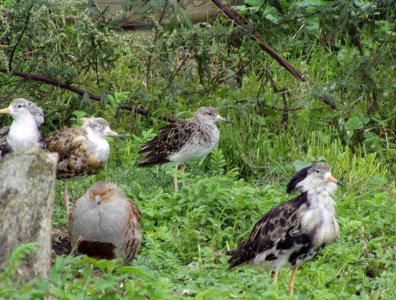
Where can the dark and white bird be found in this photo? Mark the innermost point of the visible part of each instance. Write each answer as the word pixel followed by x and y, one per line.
pixel 295 231
pixel 25 128
pixel 105 224
pixel 184 140
pixel 82 150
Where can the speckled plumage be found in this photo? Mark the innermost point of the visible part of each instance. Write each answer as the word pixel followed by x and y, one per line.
pixel 25 128
pixel 296 230
pixel 82 150
pixel 106 224
pixel 184 140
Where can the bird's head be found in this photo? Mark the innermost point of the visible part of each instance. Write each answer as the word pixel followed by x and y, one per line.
pixel 312 178
pixel 103 192
pixel 209 114
pixel 21 108
pixel 100 127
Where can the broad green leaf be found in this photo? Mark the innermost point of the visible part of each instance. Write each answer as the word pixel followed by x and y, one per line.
pixel 354 123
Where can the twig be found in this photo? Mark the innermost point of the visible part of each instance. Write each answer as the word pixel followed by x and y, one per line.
pixel 284 93
pixel 229 12
pixel 209 88
pixel 6 98
pixel 148 65
pixel 163 12
pixel 274 107
pixel 326 99
pixel 170 81
pixel 66 86
pixel 354 32
pixel 19 38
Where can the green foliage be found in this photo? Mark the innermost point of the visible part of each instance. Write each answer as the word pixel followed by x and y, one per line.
pixel 346 47
pixel 186 235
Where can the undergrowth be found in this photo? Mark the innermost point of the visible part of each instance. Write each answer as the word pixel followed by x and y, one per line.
pixel 175 69
pixel 186 235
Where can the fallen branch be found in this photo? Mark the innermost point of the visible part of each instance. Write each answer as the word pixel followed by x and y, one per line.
pixel 66 86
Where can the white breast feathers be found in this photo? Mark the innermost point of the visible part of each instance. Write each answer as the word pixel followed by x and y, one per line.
pixel 98 145
pixel 320 219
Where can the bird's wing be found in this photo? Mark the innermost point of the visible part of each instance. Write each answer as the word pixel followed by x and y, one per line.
pixel 3 141
pixel 170 140
pixel 278 226
pixel 65 142
pixel 133 236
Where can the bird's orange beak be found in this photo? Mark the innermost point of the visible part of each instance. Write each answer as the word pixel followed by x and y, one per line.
pixel 331 179
pixel 5 111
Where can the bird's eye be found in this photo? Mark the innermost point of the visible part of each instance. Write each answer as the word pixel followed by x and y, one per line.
pixel 19 105
pixel 317 171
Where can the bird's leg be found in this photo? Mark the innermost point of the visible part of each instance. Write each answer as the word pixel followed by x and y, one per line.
pixel 292 279
pixel 67 199
pixel 175 178
pixel 182 169
pixel 275 276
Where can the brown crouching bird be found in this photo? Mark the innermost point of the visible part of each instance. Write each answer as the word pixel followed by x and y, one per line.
pixel 105 224
pixel 82 150
pixel 185 140
pixel 295 231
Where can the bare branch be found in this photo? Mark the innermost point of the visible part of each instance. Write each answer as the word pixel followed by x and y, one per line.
pixel 66 86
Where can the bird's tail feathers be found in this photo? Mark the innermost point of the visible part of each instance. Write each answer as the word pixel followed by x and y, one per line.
pixel 151 161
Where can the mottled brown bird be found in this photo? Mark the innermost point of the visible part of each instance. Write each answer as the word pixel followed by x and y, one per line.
pixel 105 224
pixel 297 230
pixel 184 140
pixel 25 128
pixel 82 150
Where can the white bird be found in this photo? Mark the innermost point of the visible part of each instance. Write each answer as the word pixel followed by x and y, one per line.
pixel 25 128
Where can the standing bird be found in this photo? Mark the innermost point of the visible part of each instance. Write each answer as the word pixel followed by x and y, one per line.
pixel 25 128
pixel 82 150
pixel 105 223
pixel 184 140
pixel 295 231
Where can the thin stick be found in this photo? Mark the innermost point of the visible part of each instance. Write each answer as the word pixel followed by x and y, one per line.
pixel 19 37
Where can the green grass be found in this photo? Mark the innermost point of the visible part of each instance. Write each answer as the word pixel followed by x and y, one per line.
pixel 186 234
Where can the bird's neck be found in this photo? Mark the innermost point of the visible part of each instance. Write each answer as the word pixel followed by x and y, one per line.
pixel 23 132
pixel 207 125
pixel 321 196
pixel 98 145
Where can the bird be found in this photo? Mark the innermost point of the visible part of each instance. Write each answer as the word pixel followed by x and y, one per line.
pixel 25 128
pixel 295 231
pixel 184 140
pixel 105 224
pixel 81 150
